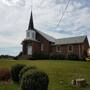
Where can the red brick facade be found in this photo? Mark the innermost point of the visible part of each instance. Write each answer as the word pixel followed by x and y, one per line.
pixel 49 47
pixel 78 49
pixel 40 41
pixel 36 45
pixel 45 42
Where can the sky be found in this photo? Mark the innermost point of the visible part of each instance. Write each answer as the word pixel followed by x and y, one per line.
pixel 15 15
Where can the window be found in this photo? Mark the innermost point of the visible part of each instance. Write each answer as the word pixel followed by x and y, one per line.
pixel 42 47
pixel 31 34
pixel 70 48
pixel 58 49
pixel 28 35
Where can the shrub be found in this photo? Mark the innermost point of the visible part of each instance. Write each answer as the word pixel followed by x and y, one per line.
pixel 34 80
pixel 83 58
pixel 4 74
pixel 40 56
pixel 57 56
pixel 17 57
pixel 15 70
pixel 25 69
pixel 72 56
pixel 6 57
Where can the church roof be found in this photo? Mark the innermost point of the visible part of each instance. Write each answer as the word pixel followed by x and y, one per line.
pixel 63 41
pixel 71 40
pixel 31 27
pixel 48 37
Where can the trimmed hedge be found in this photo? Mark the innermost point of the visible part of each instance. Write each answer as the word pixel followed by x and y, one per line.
pixel 72 56
pixel 57 56
pixel 40 56
pixel 45 56
pixel 15 70
pixel 25 69
pixel 34 80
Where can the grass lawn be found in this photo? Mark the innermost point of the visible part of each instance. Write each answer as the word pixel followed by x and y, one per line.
pixel 60 73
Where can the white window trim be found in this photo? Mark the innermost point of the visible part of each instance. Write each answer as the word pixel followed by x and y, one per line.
pixel 31 35
pixel 59 49
pixel 70 50
pixel 42 47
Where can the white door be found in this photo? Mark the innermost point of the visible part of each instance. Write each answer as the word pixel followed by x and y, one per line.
pixel 29 50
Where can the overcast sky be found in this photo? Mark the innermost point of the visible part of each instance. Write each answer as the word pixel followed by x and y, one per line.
pixel 15 14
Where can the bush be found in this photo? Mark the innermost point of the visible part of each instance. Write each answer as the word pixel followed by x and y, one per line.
pixel 25 69
pixel 17 57
pixel 83 58
pixel 72 56
pixel 57 56
pixel 4 74
pixel 40 56
pixel 6 57
pixel 15 70
pixel 45 56
pixel 34 80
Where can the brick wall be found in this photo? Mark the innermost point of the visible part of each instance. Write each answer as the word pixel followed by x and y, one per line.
pixel 45 42
pixel 78 49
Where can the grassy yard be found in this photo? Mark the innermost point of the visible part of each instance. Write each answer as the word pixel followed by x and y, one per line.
pixel 60 73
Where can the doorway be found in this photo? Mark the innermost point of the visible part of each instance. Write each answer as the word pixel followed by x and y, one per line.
pixel 29 50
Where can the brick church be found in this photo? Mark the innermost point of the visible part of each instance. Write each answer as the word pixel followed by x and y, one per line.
pixel 37 41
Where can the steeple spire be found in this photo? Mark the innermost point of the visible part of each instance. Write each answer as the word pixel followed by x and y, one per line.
pixel 31 25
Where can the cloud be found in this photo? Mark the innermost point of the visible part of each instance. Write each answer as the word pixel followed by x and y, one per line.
pixel 14 2
pixel 85 3
pixel 10 50
pixel 14 21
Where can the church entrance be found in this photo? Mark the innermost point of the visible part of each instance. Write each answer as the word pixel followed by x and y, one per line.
pixel 29 50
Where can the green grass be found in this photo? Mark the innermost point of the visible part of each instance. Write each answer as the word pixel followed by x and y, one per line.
pixel 60 73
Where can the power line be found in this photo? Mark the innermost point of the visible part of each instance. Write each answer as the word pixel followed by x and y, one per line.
pixel 63 14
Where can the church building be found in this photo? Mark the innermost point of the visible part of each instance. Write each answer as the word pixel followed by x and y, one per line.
pixel 37 41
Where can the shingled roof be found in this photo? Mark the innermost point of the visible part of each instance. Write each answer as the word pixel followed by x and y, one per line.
pixel 71 40
pixel 63 41
pixel 48 37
